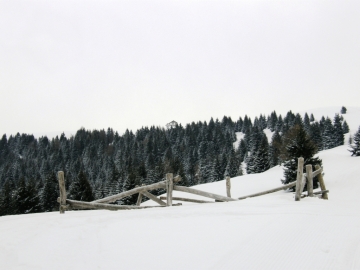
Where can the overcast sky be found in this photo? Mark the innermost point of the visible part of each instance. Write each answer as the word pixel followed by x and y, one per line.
pixel 128 64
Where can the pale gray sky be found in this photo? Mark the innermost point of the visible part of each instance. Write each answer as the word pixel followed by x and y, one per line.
pixel 127 64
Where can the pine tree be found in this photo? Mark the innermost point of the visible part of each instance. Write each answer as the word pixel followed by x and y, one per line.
pixel 129 184
pixel 7 200
pixel 261 160
pixel 34 197
pixel 80 189
pixel 49 194
pixel 275 149
pixel 355 147
pixel 307 123
pixel 20 198
pixel 298 144
pixel 328 137
pixel 338 131
pixel 254 144
pixel 345 127
pixel 242 150
pixel 233 165
pixel 312 119
pixel 343 110
pixel 315 135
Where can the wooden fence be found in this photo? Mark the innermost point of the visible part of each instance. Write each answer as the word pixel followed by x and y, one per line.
pixel 169 184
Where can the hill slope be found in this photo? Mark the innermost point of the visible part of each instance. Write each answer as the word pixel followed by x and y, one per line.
pixel 268 232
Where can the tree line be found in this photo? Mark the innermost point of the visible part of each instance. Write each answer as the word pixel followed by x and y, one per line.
pixel 100 163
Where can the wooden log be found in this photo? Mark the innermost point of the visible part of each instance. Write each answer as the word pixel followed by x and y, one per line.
pixel 309 175
pixel 320 192
pixel 316 193
pixel 299 177
pixel 153 197
pixel 92 205
pixel 290 185
pixel 322 183
pixel 317 172
pixel 169 188
pixel 228 186
pixel 62 192
pixel 138 202
pixel 186 200
pixel 119 196
pixel 203 193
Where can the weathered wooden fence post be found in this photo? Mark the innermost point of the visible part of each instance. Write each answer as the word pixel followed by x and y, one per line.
pixel 322 183
pixel 169 188
pixel 139 199
pixel 309 175
pixel 228 186
pixel 62 192
pixel 299 177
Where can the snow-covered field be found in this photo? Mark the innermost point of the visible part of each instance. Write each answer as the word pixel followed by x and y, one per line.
pixel 267 232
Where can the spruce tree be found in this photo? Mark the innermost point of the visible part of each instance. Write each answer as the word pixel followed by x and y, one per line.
pixel 233 165
pixel 307 123
pixel 49 194
pixel 34 197
pixel 298 144
pixel 261 160
pixel 312 119
pixel 315 135
pixel 7 200
pixel 338 131
pixel 355 146
pixel 242 150
pixel 345 127
pixel 275 149
pixel 80 189
pixel 328 136
pixel 343 110
pixel 20 198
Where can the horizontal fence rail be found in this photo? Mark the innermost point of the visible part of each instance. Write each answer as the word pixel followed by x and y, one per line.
pixel 170 185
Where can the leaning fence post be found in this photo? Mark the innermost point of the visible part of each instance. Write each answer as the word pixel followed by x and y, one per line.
pixel 322 183
pixel 139 199
pixel 309 176
pixel 169 188
pixel 299 177
pixel 228 186
pixel 62 192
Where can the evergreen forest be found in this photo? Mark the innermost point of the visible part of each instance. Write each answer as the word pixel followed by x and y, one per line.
pixel 100 163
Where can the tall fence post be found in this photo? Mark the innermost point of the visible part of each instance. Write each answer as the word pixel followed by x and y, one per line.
pixel 309 175
pixel 62 192
pixel 228 186
pixel 169 188
pixel 299 177
pixel 322 183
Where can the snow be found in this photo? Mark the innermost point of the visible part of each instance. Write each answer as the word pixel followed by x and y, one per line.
pixel 269 134
pixel 267 232
pixel 239 137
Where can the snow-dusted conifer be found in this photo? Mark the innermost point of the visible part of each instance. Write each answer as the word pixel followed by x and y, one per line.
pixel 345 127
pixel 298 144
pixel 355 146
pixel 80 188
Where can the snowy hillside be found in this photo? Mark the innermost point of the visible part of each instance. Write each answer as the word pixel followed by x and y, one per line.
pixel 267 232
